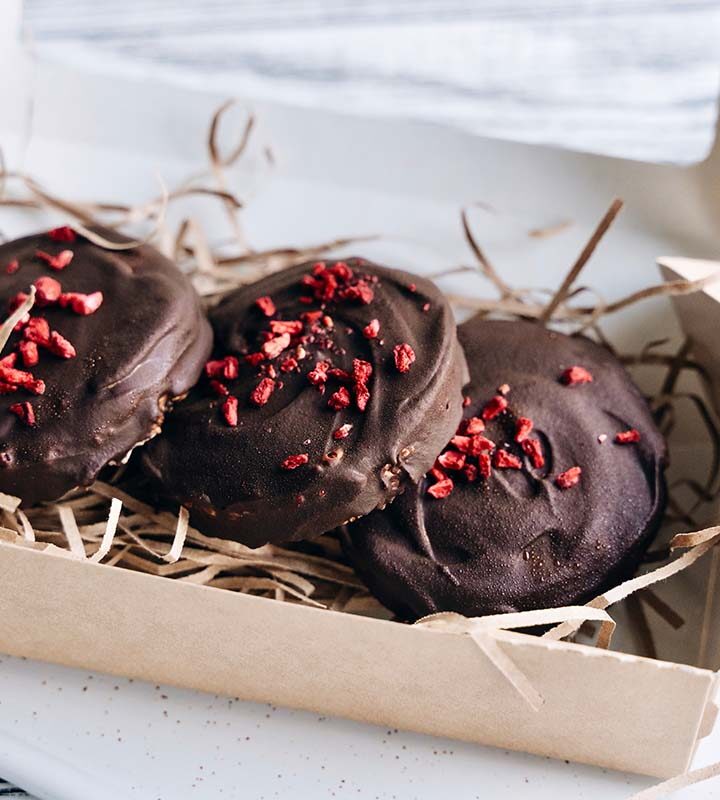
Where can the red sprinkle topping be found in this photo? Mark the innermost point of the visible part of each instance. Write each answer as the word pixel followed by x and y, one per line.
pixel 533 450
pixel 261 393
pixel 480 444
pixel 266 305
pixel 59 346
pixel 451 459
pixel 569 478
pixel 340 399
pixel 362 396
pixel 461 443
pixel 83 304
pixel 29 353
pixel 12 267
pixel 219 388
pixel 37 330
pixel 343 431
pixel 58 262
pixel 230 411
pixel 371 330
pixel 293 462
pixel 62 234
pixel 362 370
pixel 9 360
pixel 575 375
pixel 293 327
pixel 466 401
pixel 361 292
pixel 484 464
pixel 441 488
pixel 23 411
pixel 318 376
pixel 404 357
pixel 341 271
pixel 412 287
pixel 47 291
pixel 493 407
pixel 628 437
pixel 254 358
pixel 523 426
pixel 226 368
pixel 471 472
pixel 273 347
pixel 7 388
pixel 504 460
pixel 288 364
pixel 473 425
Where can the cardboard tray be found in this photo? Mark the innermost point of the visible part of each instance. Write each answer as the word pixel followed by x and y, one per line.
pixel 341 175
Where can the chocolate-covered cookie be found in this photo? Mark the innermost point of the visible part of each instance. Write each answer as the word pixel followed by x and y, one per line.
pixel 331 387
pixel 549 492
pixel 88 372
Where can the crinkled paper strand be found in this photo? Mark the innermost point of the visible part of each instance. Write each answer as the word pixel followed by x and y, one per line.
pixel 673 785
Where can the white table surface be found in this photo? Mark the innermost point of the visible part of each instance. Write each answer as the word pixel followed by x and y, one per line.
pixel 637 78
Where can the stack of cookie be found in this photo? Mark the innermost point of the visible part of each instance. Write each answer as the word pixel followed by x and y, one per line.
pixel 493 467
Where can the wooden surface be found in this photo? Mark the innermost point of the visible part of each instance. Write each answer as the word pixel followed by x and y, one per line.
pixel 630 77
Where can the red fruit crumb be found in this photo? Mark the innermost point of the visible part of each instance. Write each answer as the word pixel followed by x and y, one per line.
pixel 288 364
pixel 219 388
pixel 343 431
pixel 412 288
pixel 226 368
pixel 340 399
pixel 437 472
pixel 9 360
pixel 318 268
pixel 361 292
pixel 504 389
pixel 404 357
pixel 342 271
pixel 7 388
pixel 569 478
pixel 484 464
pixel 461 443
pixel 29 353
pixel 293 462
pixel 12 267
pixel 275 346
pixel 480 444
pixel 230 411
pixel 339 374
pixel 628 437
pixel 311 316
pixel 47 291
pixel 84 304
pixel 254 358
pixel 58 262
pixel 23 411
pixel 504 460
pixel 523 426
pixel 471 472
pixel 318 376
pixel 472 425
pixel 266 305
pixel 16 301
pixel 37 330
pixel 362 370
pixel 371 330
pixel 494 407
pixel 426 307
pixel 293 327
pixel 452 460
pixel 441 489
pixel 59 346
pixel 466 401
pixel 62 234
pixel 261 393
pixel 533 450
pixel 362 395
pixel 575 375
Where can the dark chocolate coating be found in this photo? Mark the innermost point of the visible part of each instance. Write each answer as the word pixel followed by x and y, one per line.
pixel 231 477
pixel 516 541
pixel 145 345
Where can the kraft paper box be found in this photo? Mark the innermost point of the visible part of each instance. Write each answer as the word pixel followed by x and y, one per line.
pixel 88 137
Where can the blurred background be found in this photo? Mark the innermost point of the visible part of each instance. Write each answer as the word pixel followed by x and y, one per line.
pixel 636 78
